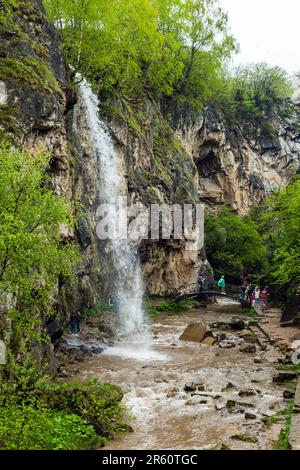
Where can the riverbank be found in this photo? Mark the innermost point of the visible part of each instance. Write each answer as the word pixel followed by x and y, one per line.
pixel 198 396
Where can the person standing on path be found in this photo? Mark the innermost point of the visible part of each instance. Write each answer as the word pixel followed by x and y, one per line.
pixel 75 323
pixel 222 284
pixel 264 296
pixel 257 297
pixel 243 290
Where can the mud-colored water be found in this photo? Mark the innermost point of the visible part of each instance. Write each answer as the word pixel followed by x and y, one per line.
pixel 166 416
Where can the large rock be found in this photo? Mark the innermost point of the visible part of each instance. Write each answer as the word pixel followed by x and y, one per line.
pixel 194 332
pixel 284 376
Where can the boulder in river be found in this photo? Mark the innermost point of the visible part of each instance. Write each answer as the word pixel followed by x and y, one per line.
pixel 190 387
pixel 247 393
pixel 251 348
pixel 244 438
pixel 284 376
pixel 172 392
pixel 209 341
pixel 194 332
pixel 288 394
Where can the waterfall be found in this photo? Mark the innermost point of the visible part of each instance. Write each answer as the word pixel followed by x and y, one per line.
pixel 127 288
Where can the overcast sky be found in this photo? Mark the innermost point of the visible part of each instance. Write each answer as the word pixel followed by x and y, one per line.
pixel 267 30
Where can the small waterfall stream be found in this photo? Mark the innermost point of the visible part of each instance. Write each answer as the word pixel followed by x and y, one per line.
pixel 128 287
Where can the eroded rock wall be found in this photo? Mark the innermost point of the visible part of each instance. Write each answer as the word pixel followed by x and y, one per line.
pixel 233 168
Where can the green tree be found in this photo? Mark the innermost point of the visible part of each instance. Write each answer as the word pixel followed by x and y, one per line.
pixel 234 246
pixel 278 220
pixel 257 94
pixel 32 217
pixel 161 45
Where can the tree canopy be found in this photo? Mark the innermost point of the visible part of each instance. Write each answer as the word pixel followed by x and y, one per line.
pixel 166 46
pixel 234 246
pixel 278 220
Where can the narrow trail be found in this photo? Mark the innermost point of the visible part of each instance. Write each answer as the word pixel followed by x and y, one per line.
pixel 232 395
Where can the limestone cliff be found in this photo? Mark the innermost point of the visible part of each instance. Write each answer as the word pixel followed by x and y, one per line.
pixel 173 161
pixel 234 169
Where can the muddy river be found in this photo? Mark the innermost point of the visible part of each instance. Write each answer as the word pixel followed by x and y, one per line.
pixel 185 395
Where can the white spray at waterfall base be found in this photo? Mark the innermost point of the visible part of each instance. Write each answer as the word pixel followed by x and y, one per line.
pixel 134 335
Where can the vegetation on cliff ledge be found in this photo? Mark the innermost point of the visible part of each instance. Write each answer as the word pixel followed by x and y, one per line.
pixel 36 413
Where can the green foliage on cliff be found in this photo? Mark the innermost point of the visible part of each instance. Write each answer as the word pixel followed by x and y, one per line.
pixel 170 47
pixel 278 220
pixel 256 95
pixel 32 255
pixel 234 246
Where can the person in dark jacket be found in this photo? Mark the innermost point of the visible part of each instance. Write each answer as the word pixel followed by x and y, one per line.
pixel 75 323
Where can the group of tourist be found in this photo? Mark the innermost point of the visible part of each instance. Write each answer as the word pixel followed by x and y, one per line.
pixel 249 292
pixel 254 295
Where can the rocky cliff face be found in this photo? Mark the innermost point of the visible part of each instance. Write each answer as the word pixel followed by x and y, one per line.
pixel 192 160
pixel 234 169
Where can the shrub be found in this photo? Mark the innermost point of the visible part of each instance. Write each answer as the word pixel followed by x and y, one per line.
pixel 27 428
pixel 97 403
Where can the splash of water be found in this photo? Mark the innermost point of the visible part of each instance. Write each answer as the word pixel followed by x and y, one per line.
pixel 128 286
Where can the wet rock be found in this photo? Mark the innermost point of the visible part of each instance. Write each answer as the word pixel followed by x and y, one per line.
pixel 209 341
pixel 194 332
pixel 195 401
pixel 250 416
pixel 220 447
pixel 84 233
pixel 97 350
pixel 229 387
pixel 171 392
pixel 284 376
pixel 220 407
pixel 250 349
pixel 237 325
pixel 258 360
pixel 288 394
pixel 249 339
pixel 244 438
pixel 231 405
pixel 190 387
pixel 247 393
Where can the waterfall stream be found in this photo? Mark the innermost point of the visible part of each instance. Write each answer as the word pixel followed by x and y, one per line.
pixel 127 288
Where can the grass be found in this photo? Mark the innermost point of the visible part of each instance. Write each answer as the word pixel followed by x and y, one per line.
pixel 100 309
pixel 292 368
pixel 283 443
pixel 251 312
pixel 172 307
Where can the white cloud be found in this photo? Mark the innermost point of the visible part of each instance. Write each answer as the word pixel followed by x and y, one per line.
pixel 267 31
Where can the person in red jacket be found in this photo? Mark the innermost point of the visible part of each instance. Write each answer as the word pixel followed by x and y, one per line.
pixel 264 296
